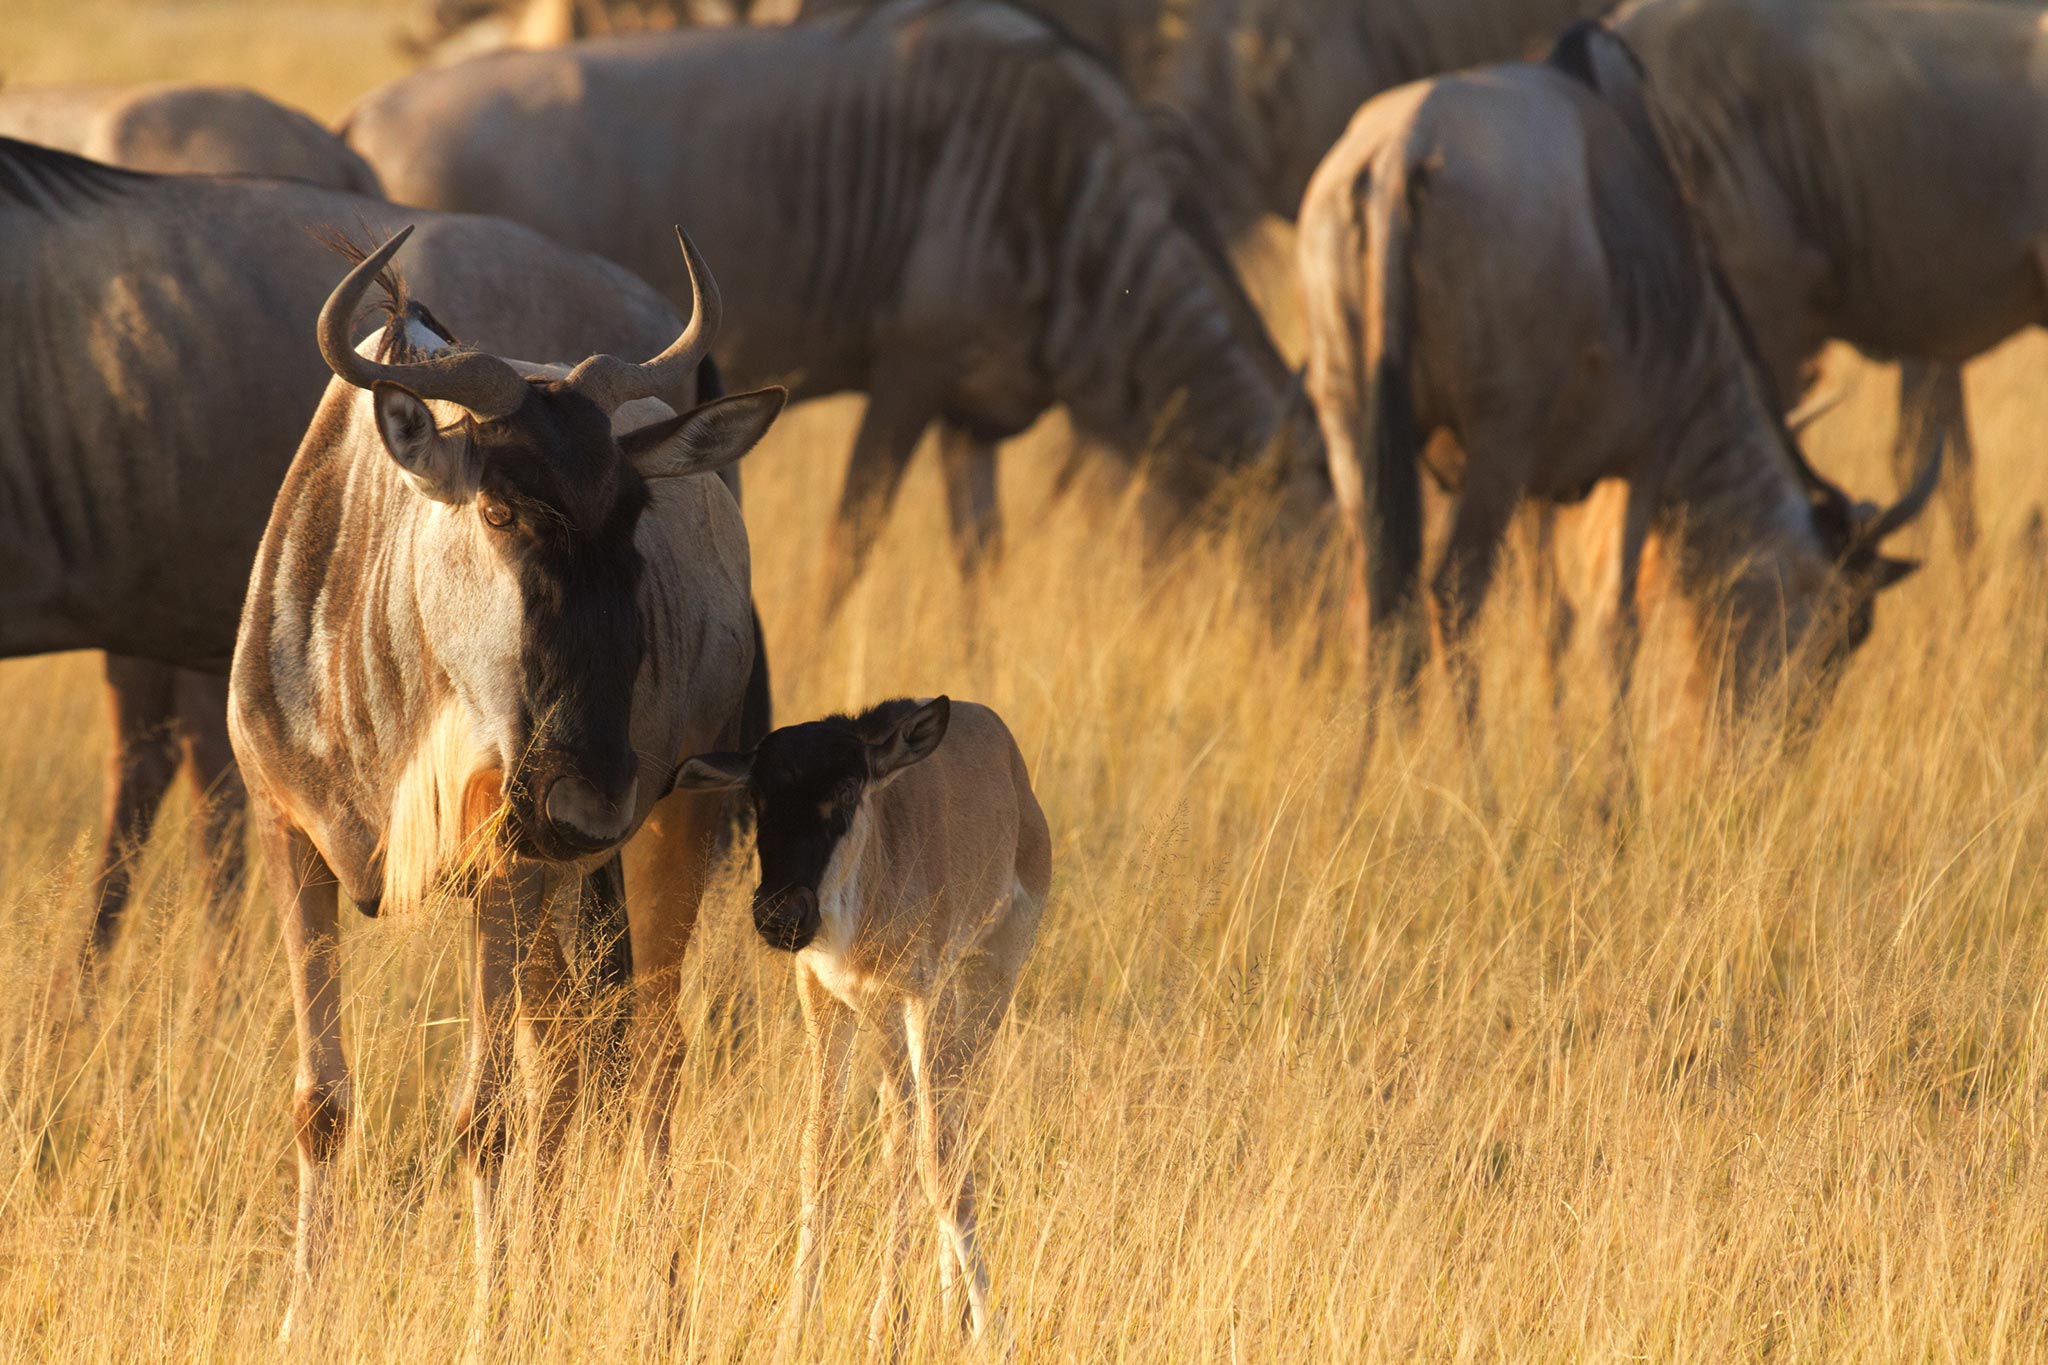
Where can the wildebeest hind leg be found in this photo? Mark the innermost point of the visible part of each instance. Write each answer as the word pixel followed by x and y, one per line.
pixel 142 699
pixel 217 786
pixel 1460 587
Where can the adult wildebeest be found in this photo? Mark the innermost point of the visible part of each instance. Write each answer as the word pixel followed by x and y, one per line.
pixel 480 630
pixel 1504 285
pixel 156 374
pixel 164 717
pixel 184 130
pixel 1268 85
pixel 945 205
pixel 907 876
pixel 1869 171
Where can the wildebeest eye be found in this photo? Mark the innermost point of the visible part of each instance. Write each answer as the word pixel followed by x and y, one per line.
pixel 496 514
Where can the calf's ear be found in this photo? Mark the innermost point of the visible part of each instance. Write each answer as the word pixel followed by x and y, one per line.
pixel 714 773
pixel 911 740
pixel 705 439
pixel 434 462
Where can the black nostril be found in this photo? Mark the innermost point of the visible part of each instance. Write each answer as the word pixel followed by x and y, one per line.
pixel 787 920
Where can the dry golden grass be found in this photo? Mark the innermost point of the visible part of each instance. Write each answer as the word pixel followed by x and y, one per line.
pixel 1309 1065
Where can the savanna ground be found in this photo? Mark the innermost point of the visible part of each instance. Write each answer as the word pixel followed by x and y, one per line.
pixel 1309 1065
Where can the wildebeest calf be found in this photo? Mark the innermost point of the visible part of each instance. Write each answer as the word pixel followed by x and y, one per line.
pixel 907 879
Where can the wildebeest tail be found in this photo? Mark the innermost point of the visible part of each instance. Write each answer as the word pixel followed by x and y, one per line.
pixel 1392 439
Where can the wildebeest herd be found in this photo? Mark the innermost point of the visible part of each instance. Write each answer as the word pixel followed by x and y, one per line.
pixel 493 619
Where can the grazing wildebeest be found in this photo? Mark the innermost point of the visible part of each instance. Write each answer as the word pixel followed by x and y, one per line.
pixel 184 130
pixel 910 896
pixel 450 30
pixel 947 206
pixel 480 631
pixel 1599 343
pixel 1268 85
pixel 1869 172
pixel 156 373
pixel 166 718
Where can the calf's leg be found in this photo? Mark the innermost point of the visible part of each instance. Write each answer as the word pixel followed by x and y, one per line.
pixel 830 1028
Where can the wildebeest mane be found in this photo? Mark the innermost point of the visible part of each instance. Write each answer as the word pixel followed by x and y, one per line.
pixel 47 180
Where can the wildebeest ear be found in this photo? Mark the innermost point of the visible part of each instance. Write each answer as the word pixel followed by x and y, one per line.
pixel 705 439
pixel 715 772
pixel 1892 572
pixel 435 463
pixel 911 739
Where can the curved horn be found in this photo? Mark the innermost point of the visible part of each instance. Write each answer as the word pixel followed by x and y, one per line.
pixel 484 384
pixel 1912 502
pixel 611 382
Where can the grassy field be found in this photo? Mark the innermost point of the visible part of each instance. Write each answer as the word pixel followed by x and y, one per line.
pixel 1313 1063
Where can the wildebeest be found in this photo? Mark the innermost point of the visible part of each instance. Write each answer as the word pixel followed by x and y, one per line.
pixel 947 206
pixel 1869 172
pixel 1504 285
pixel 450 30
pixel 184 130
pixel 480 629
pixel 156 373
pixel 1268 85
pixel 907 876
pixel 166 718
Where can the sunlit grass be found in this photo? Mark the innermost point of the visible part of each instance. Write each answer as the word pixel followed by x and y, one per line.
pixel 1313 1062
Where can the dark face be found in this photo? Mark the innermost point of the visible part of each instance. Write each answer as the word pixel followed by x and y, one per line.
pixel 1850 612
pixel 807 783
pixel 559 503
pixel 806 787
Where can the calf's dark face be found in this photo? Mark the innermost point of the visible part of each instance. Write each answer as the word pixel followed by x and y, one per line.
pixel 807 784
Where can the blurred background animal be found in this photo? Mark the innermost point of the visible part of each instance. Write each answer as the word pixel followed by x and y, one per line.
pixel 946 206
pixel 1420 359
pixel 1869 172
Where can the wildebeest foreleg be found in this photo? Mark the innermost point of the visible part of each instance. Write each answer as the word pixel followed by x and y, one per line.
pixel 667 866
pixel 548 1018
pixel 888 437
pixel 308 901
pixel 969 465
pixel 1931 411
pixel 482 1117
pixel 830 1027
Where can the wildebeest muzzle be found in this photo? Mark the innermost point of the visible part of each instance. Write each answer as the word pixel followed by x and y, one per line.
pixel 564 815
pixel 787 919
